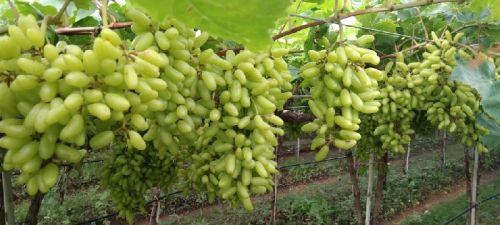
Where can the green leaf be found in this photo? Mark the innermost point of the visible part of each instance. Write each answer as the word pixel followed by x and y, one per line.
pixel 249 22
pixel 479 6
pixel 491 140
pixel 83 4
pixel 45 10
pixel 481 76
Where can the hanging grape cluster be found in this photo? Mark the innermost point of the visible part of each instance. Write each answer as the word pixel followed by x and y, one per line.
pixel 236 150
pixel 342 88
pixel 181 111
pixel 217 110
pixel 401 96
pixel 130 173
pixel 450 105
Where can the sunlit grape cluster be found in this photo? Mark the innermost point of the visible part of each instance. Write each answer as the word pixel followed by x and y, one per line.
pixel 450 104
pixel 343 86
pixel 401 96
pixel 162 108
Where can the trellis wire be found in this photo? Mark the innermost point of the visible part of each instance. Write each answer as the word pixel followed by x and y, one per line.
pixel 471 207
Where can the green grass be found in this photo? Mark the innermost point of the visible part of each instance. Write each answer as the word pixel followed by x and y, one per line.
pixel 488 213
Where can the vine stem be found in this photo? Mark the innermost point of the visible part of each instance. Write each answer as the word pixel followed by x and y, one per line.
pixel 15 12
pixel 357 13
pixel 60 13
pixel 104 13
pixel 90 30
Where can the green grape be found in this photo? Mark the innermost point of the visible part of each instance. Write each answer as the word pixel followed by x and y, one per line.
pixel 338 78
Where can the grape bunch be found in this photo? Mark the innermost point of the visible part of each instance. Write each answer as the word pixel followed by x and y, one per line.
pixel 216 109
pixel 401 96
pixel 343 87
pixel 235 153
pixel 450 105
pixel 132 173
pixel 41 127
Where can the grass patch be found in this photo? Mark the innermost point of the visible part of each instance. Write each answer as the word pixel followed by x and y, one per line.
pixel 488 213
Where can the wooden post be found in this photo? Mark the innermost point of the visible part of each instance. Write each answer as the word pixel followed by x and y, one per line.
pixel 369 191
pixel 297 151
pixel 443 149
pixel 275 193
pixel 32 216
pixel 7 197
pixel 474 188
pixel 2 206
pixel 407 159
pixel 382 170
pixel 154 208
pixel 353 173
pixel 467 180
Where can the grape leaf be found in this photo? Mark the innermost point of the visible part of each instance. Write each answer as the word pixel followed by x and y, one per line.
pixel 479 6
pixel 480 74
pixel 491 139
pixel 45 10
pixel 249 22
pixel 83 4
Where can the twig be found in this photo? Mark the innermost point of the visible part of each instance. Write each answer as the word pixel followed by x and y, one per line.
pixel 90 30
pixel 57 18
pixel 360 12
pixel 14 9
pixel 423 24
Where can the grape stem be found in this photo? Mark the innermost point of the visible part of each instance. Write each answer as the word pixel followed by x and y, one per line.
pixel 357 13
pixel 14 9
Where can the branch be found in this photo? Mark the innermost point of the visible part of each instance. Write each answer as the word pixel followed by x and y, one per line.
pixel 14 9
pixel 360 12
pixel 293 116
pixel 90 30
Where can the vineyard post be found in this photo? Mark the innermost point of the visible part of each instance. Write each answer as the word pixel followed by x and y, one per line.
pixel 382 170
pixel 474 187
pixel 369 191
pixel 153 218
pixel 32 215
pixel 353 173
pixel 443 149
pixel 2 206
pixel 467 180
pixel 407 158
pixel 7 197
pixel 297 151
pixel 275 191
